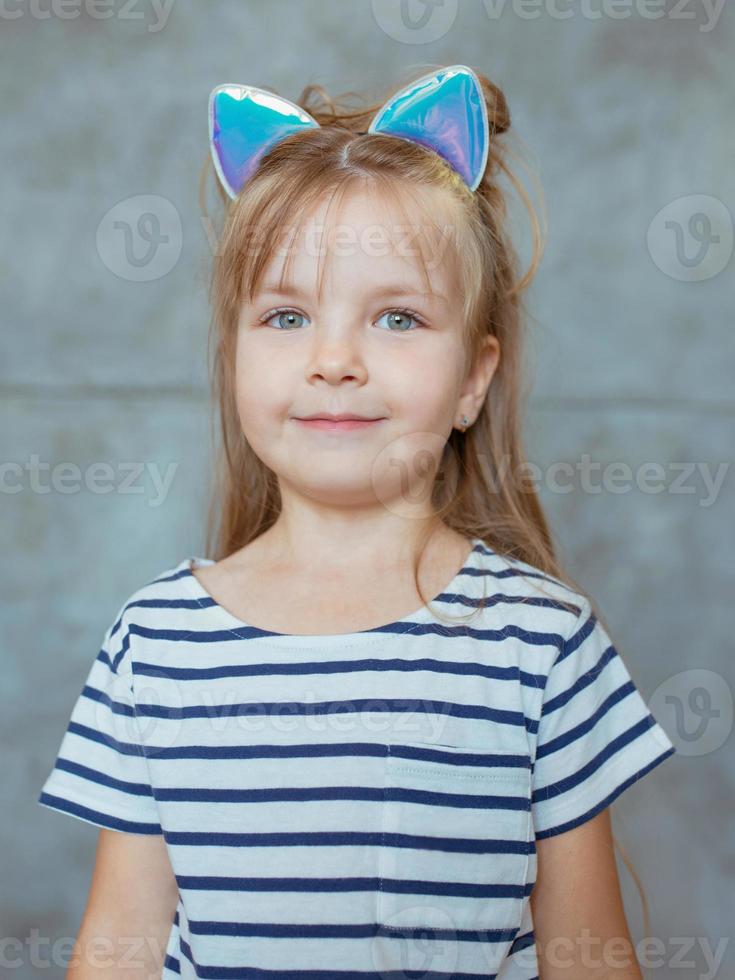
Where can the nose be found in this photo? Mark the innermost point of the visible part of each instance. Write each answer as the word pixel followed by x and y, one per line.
pixel 336 356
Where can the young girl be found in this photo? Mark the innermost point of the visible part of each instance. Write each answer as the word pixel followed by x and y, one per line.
pixel 378 732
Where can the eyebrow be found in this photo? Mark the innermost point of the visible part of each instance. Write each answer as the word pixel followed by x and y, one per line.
pixel 390 289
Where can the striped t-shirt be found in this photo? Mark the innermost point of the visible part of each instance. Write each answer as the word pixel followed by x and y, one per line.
pixel 355 805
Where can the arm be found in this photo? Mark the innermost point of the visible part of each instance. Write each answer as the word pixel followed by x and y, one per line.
pixel 130 910
pixel 577 907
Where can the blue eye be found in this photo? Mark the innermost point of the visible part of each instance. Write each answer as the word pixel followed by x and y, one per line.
pixel 401 318
pixel 288 319
pixel 285 318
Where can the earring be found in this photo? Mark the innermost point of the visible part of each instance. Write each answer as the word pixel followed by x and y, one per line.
pixel 465 423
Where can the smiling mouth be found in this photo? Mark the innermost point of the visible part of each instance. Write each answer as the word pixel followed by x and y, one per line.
pixel 337 417
pixel 338 424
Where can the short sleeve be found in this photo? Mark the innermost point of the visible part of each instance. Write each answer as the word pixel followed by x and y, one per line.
pixel 101 773
pixel 595 737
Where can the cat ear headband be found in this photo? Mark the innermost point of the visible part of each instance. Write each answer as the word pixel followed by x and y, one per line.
pixel 444 111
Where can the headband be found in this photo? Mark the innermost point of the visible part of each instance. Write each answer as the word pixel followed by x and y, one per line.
pixel 444 111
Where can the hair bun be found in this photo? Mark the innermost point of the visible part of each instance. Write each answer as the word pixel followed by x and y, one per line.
pixel 498 113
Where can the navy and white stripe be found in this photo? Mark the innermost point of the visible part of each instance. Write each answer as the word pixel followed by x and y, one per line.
pixel 363 804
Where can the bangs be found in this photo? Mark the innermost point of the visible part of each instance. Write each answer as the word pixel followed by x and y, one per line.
pixel 427 230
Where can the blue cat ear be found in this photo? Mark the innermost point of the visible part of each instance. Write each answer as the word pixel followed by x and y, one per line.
pixel 244 123
pixel 445 111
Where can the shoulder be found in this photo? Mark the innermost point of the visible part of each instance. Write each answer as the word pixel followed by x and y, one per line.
pixel 154 605
pixel 533 598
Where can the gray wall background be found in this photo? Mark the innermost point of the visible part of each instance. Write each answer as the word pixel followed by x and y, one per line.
pixel 632 358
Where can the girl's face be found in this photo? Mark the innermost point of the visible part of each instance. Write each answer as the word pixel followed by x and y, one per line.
pixel 375 344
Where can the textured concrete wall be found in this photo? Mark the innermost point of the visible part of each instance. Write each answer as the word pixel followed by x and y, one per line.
pixel 626 109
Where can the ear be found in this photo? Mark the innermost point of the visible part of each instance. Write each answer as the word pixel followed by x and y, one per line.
pixel 479 375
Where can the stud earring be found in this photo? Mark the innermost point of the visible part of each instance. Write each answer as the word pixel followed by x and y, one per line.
pixel 465 423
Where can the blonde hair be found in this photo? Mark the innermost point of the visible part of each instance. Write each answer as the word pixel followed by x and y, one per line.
pixel 472 497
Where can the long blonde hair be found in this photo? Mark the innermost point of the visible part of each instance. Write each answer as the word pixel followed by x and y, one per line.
pixel 472 497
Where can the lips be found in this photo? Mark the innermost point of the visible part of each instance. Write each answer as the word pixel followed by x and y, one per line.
pixel 346 423
pixel 344 417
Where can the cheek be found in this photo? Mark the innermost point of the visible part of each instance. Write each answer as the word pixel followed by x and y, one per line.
pixel 426 386
pixel 259 387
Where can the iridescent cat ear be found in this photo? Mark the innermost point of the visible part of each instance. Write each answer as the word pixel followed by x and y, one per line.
pixel 244 123
pixel 445 111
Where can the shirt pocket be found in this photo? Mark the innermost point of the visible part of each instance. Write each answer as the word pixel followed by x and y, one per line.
pixel 455 841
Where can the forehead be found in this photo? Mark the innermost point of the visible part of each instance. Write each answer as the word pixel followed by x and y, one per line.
pixel 364 237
